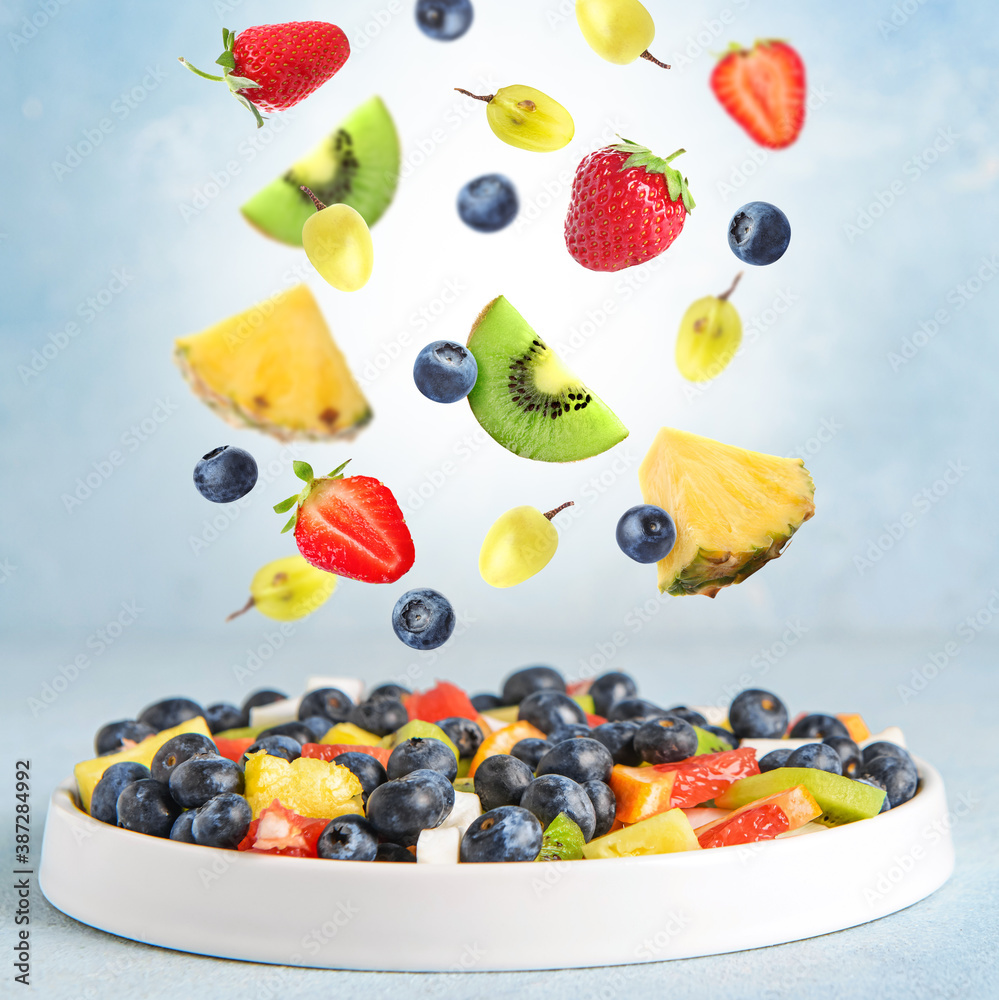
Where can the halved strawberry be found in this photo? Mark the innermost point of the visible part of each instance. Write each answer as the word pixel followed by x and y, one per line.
pixel 350 526
pixel 763 89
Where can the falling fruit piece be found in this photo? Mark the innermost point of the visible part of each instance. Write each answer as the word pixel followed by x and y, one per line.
pixel 337 242
pixel 619 31
pixel 520 543
pixel 709 337
pixel 526 118
pixel 288 589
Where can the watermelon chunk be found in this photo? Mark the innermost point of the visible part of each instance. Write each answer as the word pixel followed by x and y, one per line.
pixel 443 701
pixel 327 751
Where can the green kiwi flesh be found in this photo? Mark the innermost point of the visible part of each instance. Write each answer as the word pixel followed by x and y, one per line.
pixel 358 165
pixel 527 400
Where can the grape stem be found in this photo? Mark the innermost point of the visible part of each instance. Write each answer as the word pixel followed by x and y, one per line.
pixel 477 97
pixel 242 611
pixel 724 295
pixel 550 514
pixel 315 201
pixel 652 59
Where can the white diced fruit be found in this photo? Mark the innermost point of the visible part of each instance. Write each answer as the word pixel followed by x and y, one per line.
pixel 353 687
pixel 466 808
pixel 713 715
pixel 275 713
pixel 890 735
pixel 762 746
pixel 439 846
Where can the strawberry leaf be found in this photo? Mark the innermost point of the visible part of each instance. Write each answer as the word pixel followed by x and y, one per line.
pixel 640 156
pixel 335 474
pixel 304 471
pixel 291 523
pixel 227 59
pixel 286 505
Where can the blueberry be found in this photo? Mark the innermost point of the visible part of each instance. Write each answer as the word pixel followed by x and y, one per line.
pixel 484 702
pixel 688 715
pixel 530 680
pixel 609 689
pixel 258 699
pixel 445 372
pixel 381 715
pixel 849 754
pixel 394 852
pixel 635 708
pixel 170 712
pixel 619 738
pixel 548 710
pixel 531 750
pixel 759 233
pixel 145 806
pixel 463 733
pixel 507 833
pixel 883 748
pixel 422 753
pixel 816 755
pixel 297 731
pixel 568 731
pixel 389 691
pixel 552 794
pixel 201 778
pixel 665 741
pixel 604 805
pixel 348 838
pixel 896 776
pixel 276 746
pixel 222 821
pixel 225 474
pixel 331 702
pixel 444 20
pixel 222 716
pixel 181 830
pixel 104 800
pixel 112 737
pixel 886 805
pixel 176 750
pixel 757 714
pixel 400 810
pixel 500 780
pixel 646 533
pixel 318 726
pixel 723 734
pixel 580 759
pixel 818 727
pixel 488 203
pixel 366 768
pixel 423 619
pixel 776 758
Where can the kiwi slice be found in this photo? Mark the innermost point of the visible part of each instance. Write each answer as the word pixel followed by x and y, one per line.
pixel 527 400
pixel 357 165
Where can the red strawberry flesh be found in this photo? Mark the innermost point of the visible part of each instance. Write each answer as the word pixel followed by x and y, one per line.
pixel 353 527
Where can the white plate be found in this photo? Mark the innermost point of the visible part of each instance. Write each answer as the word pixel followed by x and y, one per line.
pixel 400 917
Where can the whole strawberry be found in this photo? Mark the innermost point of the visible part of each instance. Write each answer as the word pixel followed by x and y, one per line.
pixel 274 66
pixel 349 526
pixel 763 89
pixel 627 206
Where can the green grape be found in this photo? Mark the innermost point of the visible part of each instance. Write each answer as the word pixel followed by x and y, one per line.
pixel 710 334
pixel 520 543
pixel 619 31
pixel 338 243
pixel 526 118
pixel 287 589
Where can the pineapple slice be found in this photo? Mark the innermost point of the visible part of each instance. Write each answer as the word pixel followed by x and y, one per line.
pixel 275 368
pixel 734 509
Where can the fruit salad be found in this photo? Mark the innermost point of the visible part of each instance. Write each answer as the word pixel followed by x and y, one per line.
pixel 540 771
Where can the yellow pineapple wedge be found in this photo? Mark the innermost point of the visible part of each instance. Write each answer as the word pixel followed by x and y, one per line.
pixel 734 509
pixel 277 369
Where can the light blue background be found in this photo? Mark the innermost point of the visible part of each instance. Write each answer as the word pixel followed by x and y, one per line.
pixel 155 203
